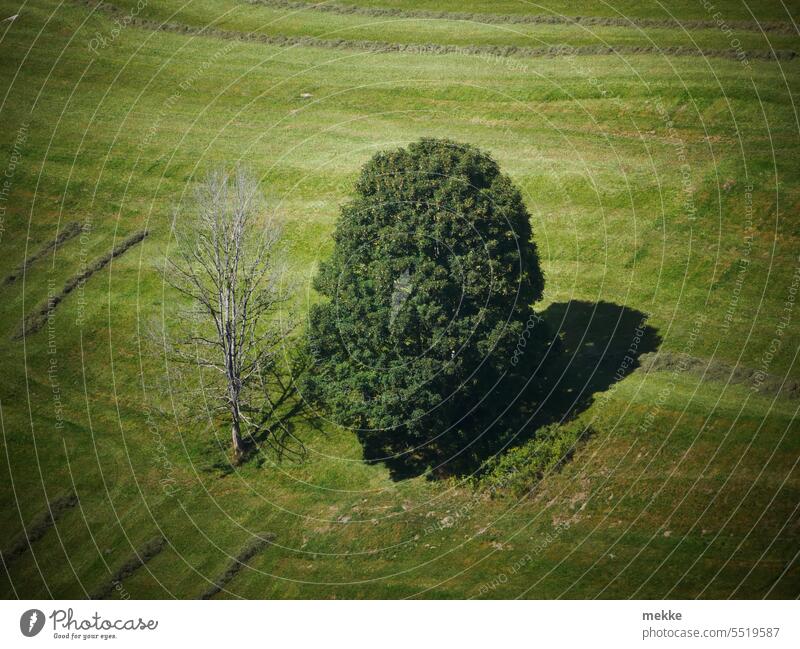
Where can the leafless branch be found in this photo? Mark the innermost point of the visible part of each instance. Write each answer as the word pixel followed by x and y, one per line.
pixel 226 263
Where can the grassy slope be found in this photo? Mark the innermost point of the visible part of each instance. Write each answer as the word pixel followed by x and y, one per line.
pixel 703 500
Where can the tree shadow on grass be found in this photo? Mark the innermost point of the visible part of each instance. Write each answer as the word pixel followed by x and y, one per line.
pixel 273 436
pixel 593 346
pixel 599 344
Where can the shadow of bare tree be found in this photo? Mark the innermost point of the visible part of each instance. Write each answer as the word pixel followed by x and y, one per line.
pixel 274 429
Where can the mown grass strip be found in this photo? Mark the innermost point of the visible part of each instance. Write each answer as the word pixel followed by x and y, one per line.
pixel 36 320
pixel 435 48
pixel 256 544
pixel 140 557
pixel 70 231
pixel 521 19
pixel 39 526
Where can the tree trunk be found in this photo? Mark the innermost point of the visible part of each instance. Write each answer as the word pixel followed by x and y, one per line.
pixel 236 421
pixel 236 437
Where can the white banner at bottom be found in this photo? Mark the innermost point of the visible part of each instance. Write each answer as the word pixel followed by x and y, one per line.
pixel 400 625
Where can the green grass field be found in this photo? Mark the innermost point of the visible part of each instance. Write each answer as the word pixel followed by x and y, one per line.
pixel 659 183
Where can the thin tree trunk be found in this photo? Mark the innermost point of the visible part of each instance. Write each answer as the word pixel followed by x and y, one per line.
pixel 236 437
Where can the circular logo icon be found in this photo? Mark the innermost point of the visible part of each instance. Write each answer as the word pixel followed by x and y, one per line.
pixel 31 622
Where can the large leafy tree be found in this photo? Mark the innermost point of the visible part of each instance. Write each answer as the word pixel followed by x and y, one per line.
pixel 428 309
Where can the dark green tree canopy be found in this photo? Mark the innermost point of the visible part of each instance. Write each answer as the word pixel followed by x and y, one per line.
pixel 428 308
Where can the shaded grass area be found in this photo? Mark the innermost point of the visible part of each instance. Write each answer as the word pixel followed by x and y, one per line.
pixel 688 488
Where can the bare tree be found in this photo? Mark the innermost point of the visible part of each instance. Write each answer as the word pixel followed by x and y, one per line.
pixel 226 263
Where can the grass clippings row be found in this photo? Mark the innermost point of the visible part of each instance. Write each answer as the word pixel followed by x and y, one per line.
pixel 759 382
pixel 435 48
pixel 140 557
pixel 39 526
pixel 523 19
pixel 253 547
pixel 36 320
pixel 70 231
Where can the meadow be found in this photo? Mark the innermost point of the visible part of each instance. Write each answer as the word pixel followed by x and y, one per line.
pixel 664 191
